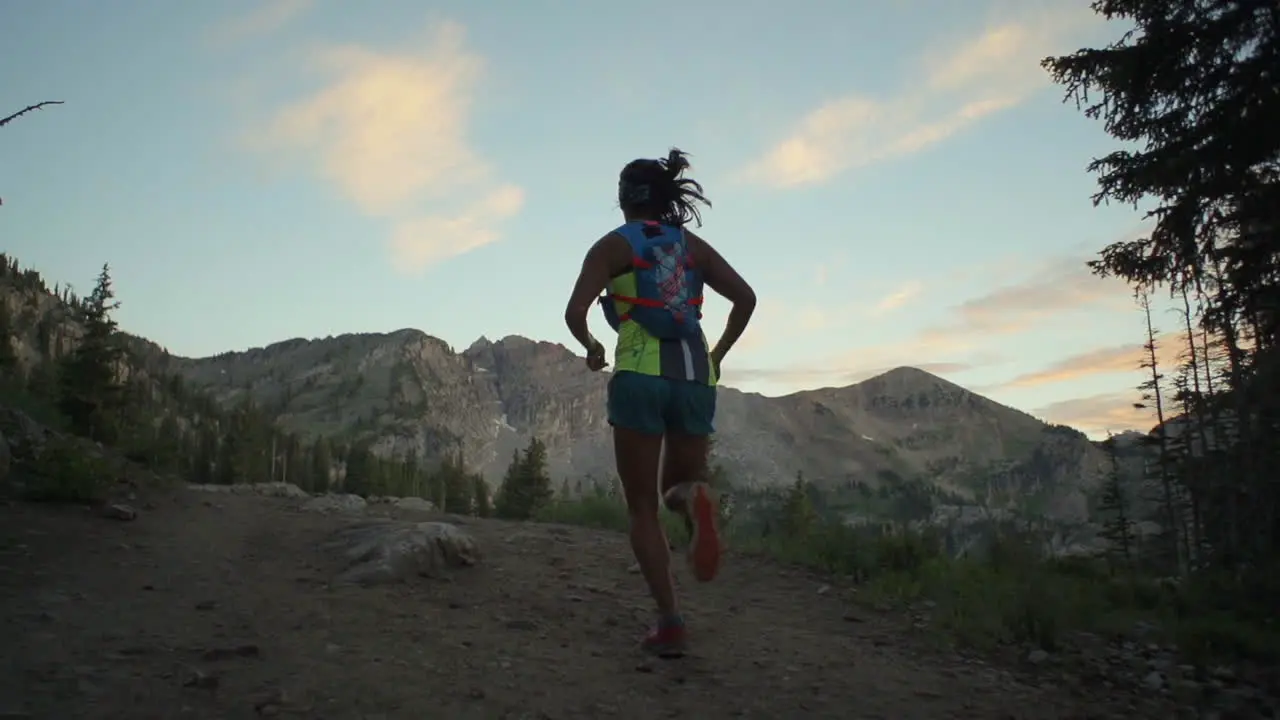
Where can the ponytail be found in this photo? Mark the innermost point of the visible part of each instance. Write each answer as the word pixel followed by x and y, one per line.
pixel 657 188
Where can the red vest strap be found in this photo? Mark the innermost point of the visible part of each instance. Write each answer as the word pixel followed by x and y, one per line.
pixel 644 302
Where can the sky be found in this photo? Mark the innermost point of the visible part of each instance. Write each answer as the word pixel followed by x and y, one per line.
pixel 900 182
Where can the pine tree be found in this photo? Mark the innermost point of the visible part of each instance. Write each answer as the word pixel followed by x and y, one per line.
pixel 483 507
pixel 1188 90
pixel 1114 505
pixel 505 505
pixel 1153 392
pixel 321 466
pixel 798 514
pixel 8 360
pixel 359 478
pixel 526 487
pixel 90 394
pixel 457 485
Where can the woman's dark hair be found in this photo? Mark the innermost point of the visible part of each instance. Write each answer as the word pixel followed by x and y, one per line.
pixel 655 189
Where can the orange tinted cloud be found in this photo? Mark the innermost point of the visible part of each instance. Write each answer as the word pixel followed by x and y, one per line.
pixel 953 89
pixel 390 131
pixel 1097 415
pixel 425 241
pixel 830 376
pixel 1060 285
pixel 1127 358
pixel 267 18
pixel 905 293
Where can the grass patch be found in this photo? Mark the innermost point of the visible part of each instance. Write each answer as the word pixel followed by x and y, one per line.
pixel 603 513
pixel 1008 597
pixel 14 394
pixel 65 473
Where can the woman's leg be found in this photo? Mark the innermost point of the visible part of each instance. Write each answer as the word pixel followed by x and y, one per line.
pixel 637 457
pixel 636 403
pixel 685 491
pixel 685 470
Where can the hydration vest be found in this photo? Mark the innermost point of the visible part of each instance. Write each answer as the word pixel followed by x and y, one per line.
pixel 668 294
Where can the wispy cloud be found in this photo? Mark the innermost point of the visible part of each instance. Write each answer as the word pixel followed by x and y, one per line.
pixel 952 90
pixel 1097 415
pixel 390 131
pixel 905 293
pixel 855 365
pixel 1127 358
pixel 965 339
pixel 1059 285
pixel 828 376
pixel 266 18
pixel 428 240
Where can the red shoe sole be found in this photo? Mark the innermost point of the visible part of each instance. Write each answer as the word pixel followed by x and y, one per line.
pixel 704 549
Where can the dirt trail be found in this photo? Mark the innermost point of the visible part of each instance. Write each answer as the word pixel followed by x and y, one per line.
pixel 221 607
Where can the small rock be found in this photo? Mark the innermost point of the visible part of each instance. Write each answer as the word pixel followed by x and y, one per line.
pixel 1037 656
pixel 270 702
pixel 244 651
pixel 1153 680
pixel 119 511
pixel 202 680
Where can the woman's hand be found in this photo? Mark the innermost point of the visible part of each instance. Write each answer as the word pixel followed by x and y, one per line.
pixel 595 356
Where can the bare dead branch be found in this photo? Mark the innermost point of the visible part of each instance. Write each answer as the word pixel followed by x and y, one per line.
pixel 27 109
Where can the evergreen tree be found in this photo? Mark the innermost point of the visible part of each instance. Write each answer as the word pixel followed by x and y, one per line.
pixel 8 360
pixel 1114 506
pixel 457 485
pixel 206 459
pixel 526 487
pixel 798 514
pixel 90 394
pixel 483 507
pixel 359 478
pixel 1190 90
pixel 321 466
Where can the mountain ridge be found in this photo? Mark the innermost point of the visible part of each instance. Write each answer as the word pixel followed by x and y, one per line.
pixel 408 390
pixel 405 392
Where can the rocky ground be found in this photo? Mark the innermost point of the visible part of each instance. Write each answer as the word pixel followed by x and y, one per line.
pixel 221 605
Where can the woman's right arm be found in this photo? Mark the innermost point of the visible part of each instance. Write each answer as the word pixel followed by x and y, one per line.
pixel 720 276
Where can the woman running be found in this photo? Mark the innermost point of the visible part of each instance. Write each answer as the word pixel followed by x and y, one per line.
pixel 664 380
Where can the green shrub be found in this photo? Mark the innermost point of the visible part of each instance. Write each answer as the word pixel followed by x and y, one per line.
pixel 603 513
pixel 65 473
pixel 1009 595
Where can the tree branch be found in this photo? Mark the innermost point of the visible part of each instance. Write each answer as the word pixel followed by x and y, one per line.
pixel 27 109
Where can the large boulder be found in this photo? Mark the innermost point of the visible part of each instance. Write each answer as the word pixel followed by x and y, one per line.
pixel 389 551
pixel 414 503
pixel 337 502
pixel 26 437
pixel 267 489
